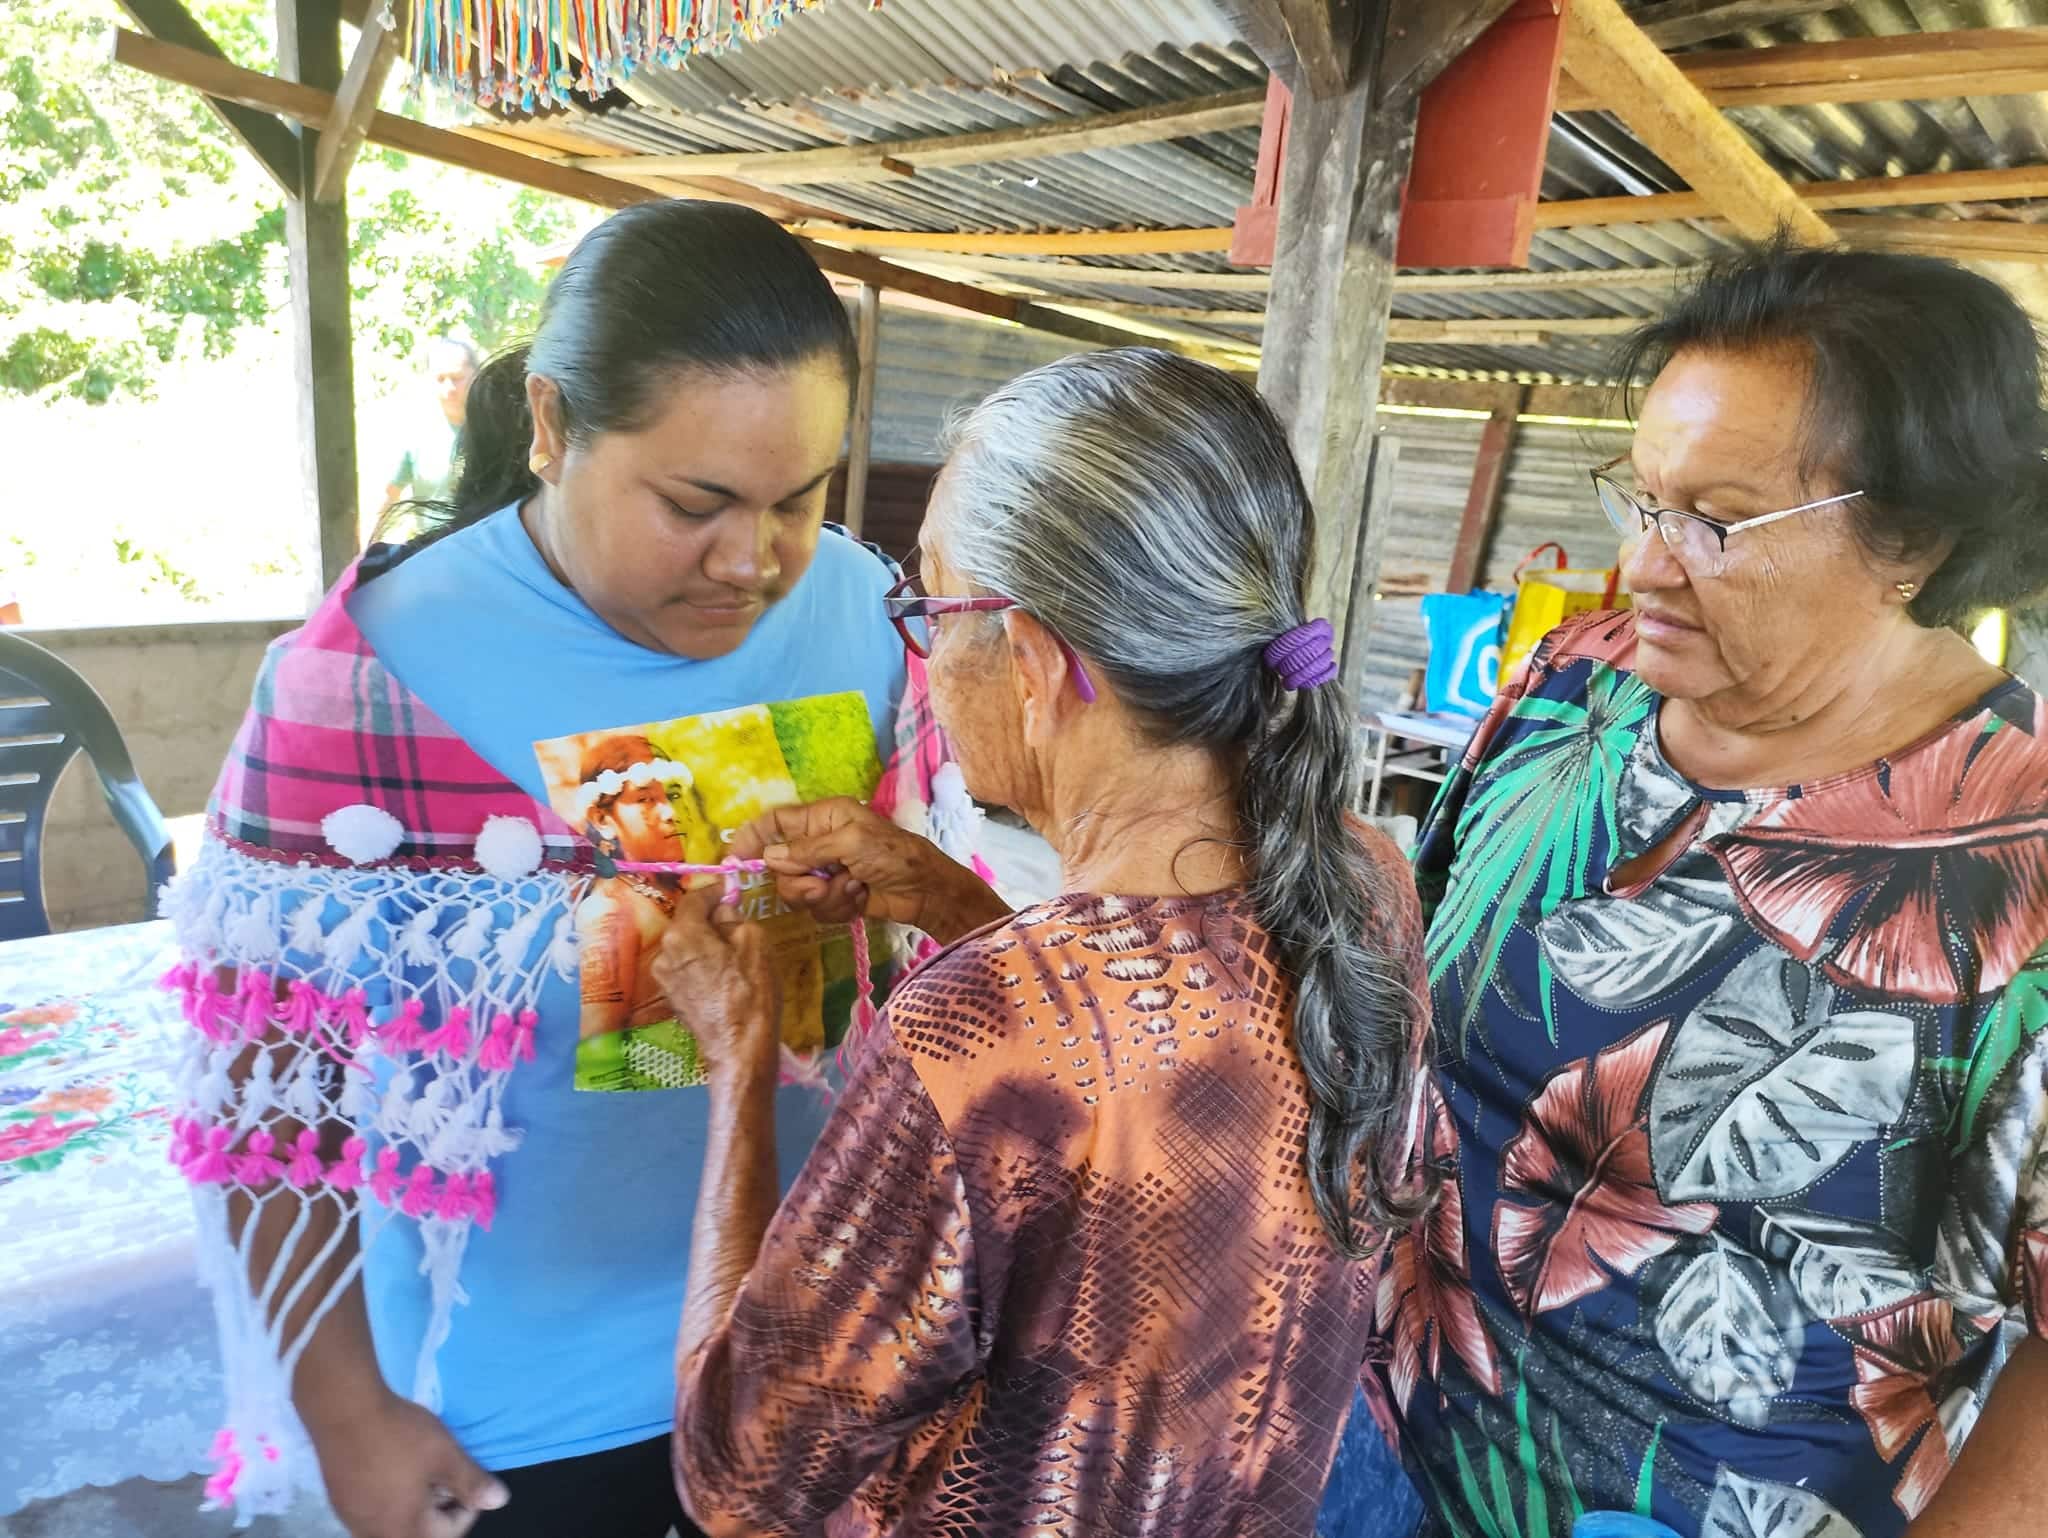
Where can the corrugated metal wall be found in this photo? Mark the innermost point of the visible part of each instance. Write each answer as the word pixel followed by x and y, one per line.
pixel 1547 497
pixel 1430 483
pixel 928 365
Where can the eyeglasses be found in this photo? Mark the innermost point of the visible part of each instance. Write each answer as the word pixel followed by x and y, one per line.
pixel 908 608
pixel 1700 544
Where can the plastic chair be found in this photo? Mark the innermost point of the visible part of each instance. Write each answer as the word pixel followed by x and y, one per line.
pixel 48 715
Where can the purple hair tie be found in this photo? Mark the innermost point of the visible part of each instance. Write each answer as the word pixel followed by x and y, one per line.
pixel 1304 657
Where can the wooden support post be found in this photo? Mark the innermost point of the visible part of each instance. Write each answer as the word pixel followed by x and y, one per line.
pixel 1482 501
pixel 1383 461
pixel 342 135
pixel 1608 54
pixel 1326 36
pixel 309 51
pixel 1326 321
pixel 860 431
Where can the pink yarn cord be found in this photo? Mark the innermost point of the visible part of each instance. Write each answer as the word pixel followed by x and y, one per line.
pixel 731 870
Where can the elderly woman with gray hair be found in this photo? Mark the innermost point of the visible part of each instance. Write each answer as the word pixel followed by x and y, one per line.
pixel 1087 1244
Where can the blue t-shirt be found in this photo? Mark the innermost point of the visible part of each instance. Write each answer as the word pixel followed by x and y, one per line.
pixel 566 1345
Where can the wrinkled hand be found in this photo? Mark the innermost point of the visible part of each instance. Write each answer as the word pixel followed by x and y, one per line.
pixel 397 1472
pixel 714 967
pixel 874 867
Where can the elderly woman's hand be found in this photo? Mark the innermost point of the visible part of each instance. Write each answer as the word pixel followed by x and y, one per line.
pixel 839 858
pixel 714 967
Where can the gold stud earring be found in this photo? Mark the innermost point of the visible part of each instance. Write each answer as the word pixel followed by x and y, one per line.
pixel 540 462
pixel 1909 590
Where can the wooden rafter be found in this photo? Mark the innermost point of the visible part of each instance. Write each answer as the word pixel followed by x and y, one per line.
pixel 1608 53
pixel 1518 330
pixel 887 160
pixel 1108 277
pixel 1326 37
pixel 341 136
pixel 218 78
pixel 1653 278
pixel 1957 239
pixel 1868 192
pixel 1915 66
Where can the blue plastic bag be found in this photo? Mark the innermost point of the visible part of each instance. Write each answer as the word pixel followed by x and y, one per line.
pixel 1619 1524
pixel 1464 650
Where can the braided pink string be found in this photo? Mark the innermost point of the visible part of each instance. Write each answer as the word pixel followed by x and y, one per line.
pixel 731 870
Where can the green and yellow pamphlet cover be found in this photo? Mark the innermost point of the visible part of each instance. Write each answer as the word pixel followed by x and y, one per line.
pixel 675 792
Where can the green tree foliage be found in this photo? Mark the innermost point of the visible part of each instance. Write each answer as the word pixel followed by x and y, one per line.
pixel 134 229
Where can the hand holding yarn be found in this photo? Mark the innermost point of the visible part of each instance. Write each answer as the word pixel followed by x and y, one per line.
pixel 714 967
pixel 839 858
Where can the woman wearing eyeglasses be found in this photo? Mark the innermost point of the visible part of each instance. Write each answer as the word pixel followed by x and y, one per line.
pixel 1736 958
pixel 1086 1246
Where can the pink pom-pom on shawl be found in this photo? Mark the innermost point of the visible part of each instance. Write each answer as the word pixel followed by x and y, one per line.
pixel 255 1002
pixel 302 1014
pixel 346 1173
pixel 403 1032
pixel 305 1169
pixel 455 1204
pixel 259 1166
pixel 452 1039
pixel 483 1198
pixel 352 1017
pixel 210 1162
pixel 418 1200
pixel 496 1056
pixel 384 1183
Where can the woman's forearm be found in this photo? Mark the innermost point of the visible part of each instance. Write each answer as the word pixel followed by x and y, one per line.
pixel 337 1376
pixel 1994 1490
pixel 959 905
pixel 736 1200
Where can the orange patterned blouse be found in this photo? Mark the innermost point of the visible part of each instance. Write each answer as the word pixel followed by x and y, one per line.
pixel 1053 1267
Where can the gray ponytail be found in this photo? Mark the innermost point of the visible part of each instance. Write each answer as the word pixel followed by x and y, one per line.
pixel 1147 509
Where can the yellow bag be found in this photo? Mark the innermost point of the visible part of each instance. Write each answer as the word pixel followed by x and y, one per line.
pixel 1546 599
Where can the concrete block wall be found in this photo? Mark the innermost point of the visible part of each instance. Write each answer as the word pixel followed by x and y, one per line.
pixel 178 692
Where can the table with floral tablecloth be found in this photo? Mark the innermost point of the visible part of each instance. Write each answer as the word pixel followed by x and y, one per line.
pixel 106 1335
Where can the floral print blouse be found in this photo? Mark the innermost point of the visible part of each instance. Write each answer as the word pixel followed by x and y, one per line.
pixel 1747 1196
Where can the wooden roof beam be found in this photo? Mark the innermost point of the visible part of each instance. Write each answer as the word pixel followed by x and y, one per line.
pixel 1258 282
pixel 341 136
pixel 1869 192
pixel 1608 53
pixel 1327 37
pixel 886 160
pixel 218 78
pixel 1914 66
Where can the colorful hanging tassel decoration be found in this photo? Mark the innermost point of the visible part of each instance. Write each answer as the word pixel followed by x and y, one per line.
pixel 537 53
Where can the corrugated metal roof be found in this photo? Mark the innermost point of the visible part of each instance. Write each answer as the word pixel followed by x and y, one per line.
pixel 845 44
pixel 928 366
pixel 928 67
pixel 1164 184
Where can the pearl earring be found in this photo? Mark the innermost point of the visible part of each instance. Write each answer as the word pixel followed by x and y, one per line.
pixel 1908 590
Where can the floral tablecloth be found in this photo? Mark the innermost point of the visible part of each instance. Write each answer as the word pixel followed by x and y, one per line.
pixel 106 1336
